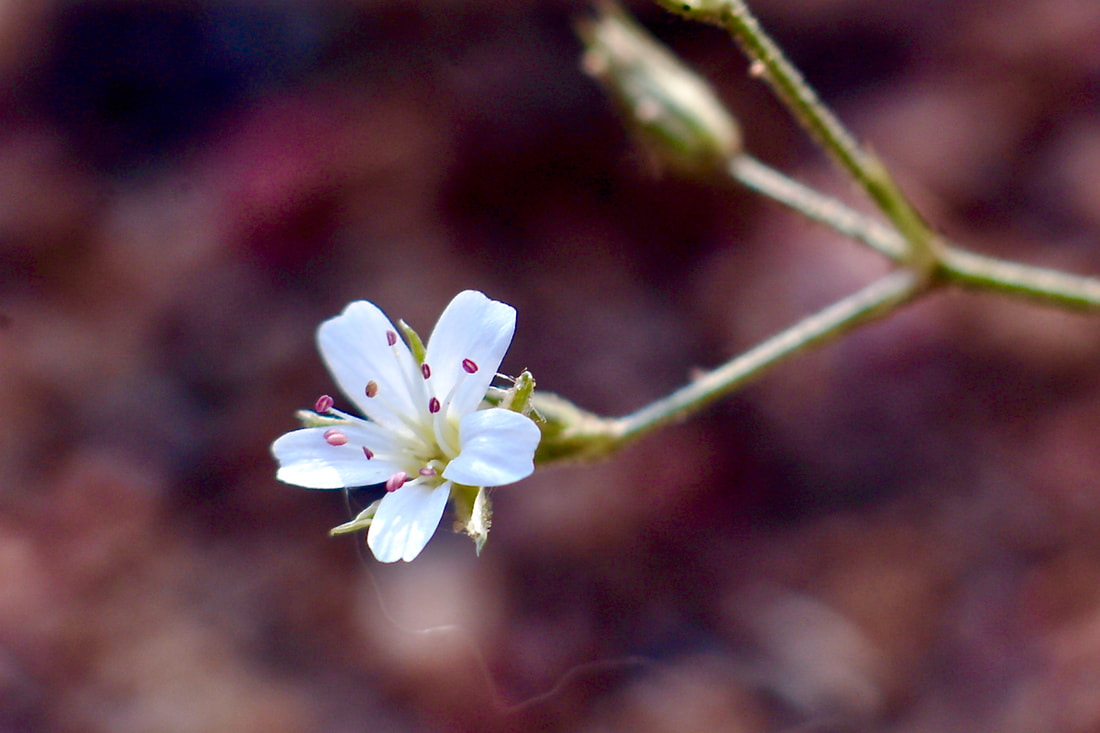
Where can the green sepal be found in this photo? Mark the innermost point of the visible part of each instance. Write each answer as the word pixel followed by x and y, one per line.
pixel 412 338
pixel 516 398
pixel 362 521
pixel 473 513
pixel 519 396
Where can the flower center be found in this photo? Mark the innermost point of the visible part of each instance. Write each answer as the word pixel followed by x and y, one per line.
pixel 424 441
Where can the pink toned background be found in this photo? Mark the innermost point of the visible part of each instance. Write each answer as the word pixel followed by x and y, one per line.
pixel 900 532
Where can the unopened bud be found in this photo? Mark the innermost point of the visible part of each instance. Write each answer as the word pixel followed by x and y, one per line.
pixel 673 112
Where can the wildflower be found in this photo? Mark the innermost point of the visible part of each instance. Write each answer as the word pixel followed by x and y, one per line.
pixel 425 437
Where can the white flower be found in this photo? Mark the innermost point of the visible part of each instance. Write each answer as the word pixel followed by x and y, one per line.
pixel 424 436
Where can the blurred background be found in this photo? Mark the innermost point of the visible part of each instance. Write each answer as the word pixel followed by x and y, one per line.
pixel 895 533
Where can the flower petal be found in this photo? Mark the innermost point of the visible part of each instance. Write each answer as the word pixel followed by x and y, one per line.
pixel 357 351
pixel 307 459
pixel 497 446
pixel 474 328
pixel 406 520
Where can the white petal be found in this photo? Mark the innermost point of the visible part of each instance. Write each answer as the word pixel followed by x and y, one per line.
pixel 472 327
pixel 354 346
pixel 406 520
pixel 497 447
pixel 306 459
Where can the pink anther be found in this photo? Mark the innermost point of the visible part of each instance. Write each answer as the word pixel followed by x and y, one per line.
pixel 368 452
pixel 324 403
pixel 391 337
pixel 425 370
pixel 433 405
pixel 372 388
pixel 396 481
pixel 335 437
pixel 469 366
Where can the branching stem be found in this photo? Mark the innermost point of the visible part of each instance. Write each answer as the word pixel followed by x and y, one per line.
pixel 924 259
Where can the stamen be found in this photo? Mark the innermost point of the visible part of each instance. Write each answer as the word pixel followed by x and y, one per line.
pixel 391 337
pixel 335 438
pixel 324 403
pixel 368 452
pixel 414 389
pixel 425 370
pixel 443 436
pixel 396 481
pixel 427 471
pixel 372 388
pixel 433 405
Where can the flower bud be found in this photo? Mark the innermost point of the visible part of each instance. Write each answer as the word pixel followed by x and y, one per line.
pixel 671 110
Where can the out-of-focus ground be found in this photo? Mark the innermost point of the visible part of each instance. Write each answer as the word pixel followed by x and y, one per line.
pixel 900 532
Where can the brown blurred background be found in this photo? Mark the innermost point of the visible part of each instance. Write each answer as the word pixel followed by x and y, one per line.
pixel 896 533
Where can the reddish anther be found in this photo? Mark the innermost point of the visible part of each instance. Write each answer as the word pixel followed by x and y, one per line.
pixel 425 370
pixel 396 481
pixel 391 337
pixel 469 366
pixel 368 452
pixel 372 388
pixel 324 403
pixel 433 405
pixel 335 438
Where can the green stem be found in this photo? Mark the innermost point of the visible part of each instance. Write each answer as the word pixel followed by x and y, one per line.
pixel 926 260
pixel 814 205
pixel 972 270
pixel 873 301
pixel 791 88
pixel 954 265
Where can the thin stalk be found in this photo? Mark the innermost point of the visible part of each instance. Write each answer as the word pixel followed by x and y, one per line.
pixel 1051 287
pixel 814 205
pixel 955 266
pixel 873 301
pixel 799 97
